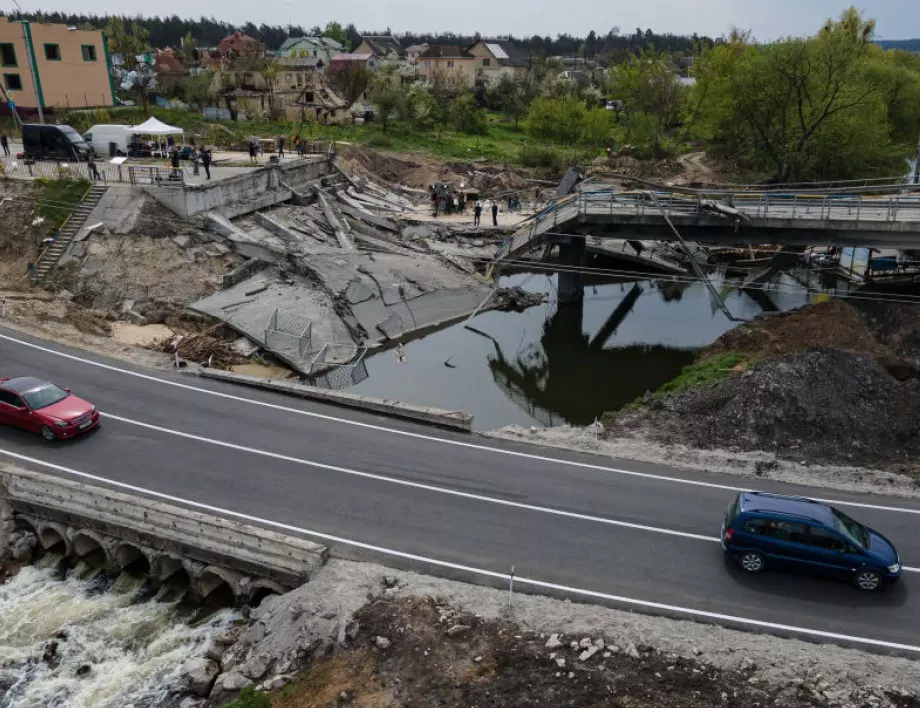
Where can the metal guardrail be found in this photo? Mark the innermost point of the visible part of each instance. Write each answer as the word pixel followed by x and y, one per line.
pixel 854 208
pixel 344 376
pixel 106 172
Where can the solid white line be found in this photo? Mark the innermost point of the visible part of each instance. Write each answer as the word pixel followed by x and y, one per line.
pixel 541 584
pixel 432 438
pixel 406 483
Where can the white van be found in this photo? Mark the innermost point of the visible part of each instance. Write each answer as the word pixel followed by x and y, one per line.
pixel 109 140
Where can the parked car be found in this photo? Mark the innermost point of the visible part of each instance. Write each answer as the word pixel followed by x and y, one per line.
pixel 762 530
pixel 53 142
pixel 109 140
pixel 45 408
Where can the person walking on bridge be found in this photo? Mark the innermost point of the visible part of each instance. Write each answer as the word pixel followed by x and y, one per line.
pixel 477 214
pixel 494 213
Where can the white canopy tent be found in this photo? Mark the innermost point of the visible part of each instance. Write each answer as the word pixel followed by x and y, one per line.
pixel 157 129
pixel 152 126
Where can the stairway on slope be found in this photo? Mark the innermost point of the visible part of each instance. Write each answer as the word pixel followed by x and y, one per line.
pixel 51 256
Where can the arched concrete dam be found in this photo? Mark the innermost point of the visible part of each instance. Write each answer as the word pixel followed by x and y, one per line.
pixel 115 532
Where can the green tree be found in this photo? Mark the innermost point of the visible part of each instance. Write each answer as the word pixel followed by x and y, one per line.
pixel 511 95
pixel 647 83
pixel 386 92
pixel 196 90
pixel 335 31
pixel 126 37
pixel 466 115
pixel 352 80
pixel 187 51
pixel 250 698
pixel 779 104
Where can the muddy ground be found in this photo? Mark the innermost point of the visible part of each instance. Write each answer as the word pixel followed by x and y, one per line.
pixel 833 383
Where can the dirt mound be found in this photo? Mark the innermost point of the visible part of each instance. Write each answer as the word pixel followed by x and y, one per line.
pixel 825 405
pixel 19 240
pixel 418 171
pixel 835 324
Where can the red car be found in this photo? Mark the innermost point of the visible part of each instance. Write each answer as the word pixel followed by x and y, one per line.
pixel 42 407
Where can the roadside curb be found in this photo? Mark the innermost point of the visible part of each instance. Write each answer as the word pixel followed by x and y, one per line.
pixel 457 420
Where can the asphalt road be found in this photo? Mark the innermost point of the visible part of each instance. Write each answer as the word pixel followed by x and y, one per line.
pixel 626 533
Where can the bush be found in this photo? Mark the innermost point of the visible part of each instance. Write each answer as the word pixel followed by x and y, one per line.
pixel 250 698
pixel 541 157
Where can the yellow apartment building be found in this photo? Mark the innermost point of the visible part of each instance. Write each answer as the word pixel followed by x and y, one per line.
pixel 53 66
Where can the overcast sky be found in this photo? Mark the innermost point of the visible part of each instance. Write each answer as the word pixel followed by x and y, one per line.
pixel 897 19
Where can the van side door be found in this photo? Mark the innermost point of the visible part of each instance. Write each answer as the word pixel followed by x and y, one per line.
pixel 829 552
pixel 787 542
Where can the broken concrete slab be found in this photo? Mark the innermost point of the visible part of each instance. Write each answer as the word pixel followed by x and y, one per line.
pixel 78 250
pixel 336 221
pixel 276 228
pixel 251 316
pixel 182 240
pixel 357 292
pixel 392 327
pixel 244 346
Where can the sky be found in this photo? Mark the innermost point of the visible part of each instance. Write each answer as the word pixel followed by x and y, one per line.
pixel 769 19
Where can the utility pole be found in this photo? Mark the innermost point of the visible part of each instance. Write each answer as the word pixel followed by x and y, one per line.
pixel 915 178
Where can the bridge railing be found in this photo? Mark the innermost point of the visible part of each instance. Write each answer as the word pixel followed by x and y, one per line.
pixel 822 207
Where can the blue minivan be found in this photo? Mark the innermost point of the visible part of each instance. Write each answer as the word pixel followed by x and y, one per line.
pixel 762 530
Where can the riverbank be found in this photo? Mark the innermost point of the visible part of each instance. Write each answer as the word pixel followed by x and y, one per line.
pixel 361 634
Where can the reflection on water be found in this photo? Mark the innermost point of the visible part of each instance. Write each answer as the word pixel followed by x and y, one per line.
pixel 554 365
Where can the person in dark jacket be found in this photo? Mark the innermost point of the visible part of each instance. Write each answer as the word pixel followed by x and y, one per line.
pixel 5 144
pixel 477 214
pixel 206 161
pixel 494 213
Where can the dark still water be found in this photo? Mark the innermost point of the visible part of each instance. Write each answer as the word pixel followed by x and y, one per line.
pixel 567 364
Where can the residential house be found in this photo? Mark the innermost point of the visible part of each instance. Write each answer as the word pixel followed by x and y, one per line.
pixel 382 47
pixel 495 57
pixel 320 47
pixel 169 69
pixel 240 44
pixel 455 64
pixel 321 103
pixel 296 72
pixel 342 62
pixel 54 66
pixel 414 52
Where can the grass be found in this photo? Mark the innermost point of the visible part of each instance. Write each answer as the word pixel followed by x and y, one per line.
pixel 503 143
pixel 700 373
pixel 58 199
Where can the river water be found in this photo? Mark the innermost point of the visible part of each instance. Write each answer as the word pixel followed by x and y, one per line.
pixel 553 365
pixel 113 650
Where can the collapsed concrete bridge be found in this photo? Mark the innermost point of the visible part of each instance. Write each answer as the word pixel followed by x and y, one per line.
pixel 211 558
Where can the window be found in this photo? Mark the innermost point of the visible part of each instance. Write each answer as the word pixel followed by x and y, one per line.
pixel 785 531
pixel 13 82
pixel 487 62
pixel 11 399
pixel 47 395
pixel 8 54
pixel 755 526
pixel 89 52
pixel 308 97
pixel 450 65
pixel 822 538
pixel 53 52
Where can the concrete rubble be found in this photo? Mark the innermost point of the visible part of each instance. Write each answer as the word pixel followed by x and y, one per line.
pixel 346 272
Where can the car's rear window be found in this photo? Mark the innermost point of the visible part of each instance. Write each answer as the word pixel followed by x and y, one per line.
pixel 732 512
pixel 47 395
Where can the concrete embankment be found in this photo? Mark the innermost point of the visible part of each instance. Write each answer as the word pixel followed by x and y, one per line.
pixel 397 409
pixel 115 531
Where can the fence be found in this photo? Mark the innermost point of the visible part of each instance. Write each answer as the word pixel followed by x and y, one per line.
pixel 106 172
pixel 289 333
pixel 345 376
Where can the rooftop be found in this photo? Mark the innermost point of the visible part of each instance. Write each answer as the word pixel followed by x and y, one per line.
pixel 445 51
pixel 781 504
pixel 384 44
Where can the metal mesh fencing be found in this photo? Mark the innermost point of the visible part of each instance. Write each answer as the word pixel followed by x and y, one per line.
pixel 290 334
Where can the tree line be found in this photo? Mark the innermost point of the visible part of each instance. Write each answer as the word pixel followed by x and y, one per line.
pixel 208 31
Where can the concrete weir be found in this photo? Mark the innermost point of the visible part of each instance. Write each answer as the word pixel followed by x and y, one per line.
pixel 218 560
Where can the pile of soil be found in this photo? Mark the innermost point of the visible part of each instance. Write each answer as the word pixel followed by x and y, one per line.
pixel 835 323
pixel 418 171
pixel 19 240
pixel 420 654
pixel 824 405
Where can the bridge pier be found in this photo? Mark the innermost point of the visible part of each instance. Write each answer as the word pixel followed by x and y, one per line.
pixel 571 283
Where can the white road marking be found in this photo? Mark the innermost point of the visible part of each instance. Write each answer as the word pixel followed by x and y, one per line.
pixel 404 482
pixel 433 438
pixel 531 582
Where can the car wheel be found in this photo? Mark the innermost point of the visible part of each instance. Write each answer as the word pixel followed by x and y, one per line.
pixel 47 432
pixel 752 562
pixel 868 580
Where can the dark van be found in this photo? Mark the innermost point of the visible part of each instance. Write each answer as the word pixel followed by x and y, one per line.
pixel 763 530
pixel 53 142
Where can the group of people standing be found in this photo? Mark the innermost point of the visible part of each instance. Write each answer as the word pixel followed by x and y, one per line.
pixel 445 201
